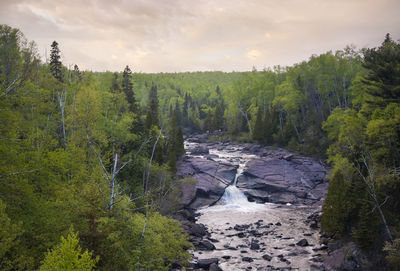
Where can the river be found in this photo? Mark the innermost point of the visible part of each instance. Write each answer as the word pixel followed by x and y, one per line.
pixel 256 236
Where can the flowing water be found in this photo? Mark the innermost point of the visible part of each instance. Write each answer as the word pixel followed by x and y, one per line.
pixel 274 228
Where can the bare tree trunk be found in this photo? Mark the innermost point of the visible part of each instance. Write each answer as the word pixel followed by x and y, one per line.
pixel 294 126
pixel 151 160
pixel 370 182
pixel 61 100
pixel 247 119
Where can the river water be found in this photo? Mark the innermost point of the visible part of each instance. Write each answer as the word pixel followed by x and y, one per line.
pixel 253 236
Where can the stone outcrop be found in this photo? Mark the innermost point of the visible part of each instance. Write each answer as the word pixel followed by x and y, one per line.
pixel 275 179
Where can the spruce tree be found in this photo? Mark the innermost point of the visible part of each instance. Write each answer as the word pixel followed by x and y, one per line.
pixel 127 88
pixel 152 109
pixel 55 63
pixel 115 88
pixel 258 133
pixel 77 73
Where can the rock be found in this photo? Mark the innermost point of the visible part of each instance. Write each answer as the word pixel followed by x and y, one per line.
pixel 194 229
pixel 213 240
pixel 267 257
pixel 265 180
pixel 302 243
pixel 288 157
pixel 214 267
pixel 297 252
pixel 205 263
pixel 247 259
pixel 254 246
pixel 226 257
pixel 205 245
pixel 211 179
pixel 200 150
pixel 315 267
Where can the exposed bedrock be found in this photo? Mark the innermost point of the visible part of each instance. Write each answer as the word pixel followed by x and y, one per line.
pixel 279 180
pixel 211 179
pixel 273 175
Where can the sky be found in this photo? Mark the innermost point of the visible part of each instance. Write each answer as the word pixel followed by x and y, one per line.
pixel 199 35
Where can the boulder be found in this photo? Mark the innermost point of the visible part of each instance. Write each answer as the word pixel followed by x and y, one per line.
pixel 205 263
pixel 302 243
pixel 267 257
pixel 200 150
pixel 205 245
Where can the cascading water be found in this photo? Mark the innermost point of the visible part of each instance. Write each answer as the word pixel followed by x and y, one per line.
pixel 232 194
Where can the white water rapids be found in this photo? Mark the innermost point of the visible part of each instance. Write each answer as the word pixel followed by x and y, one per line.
pixel 280 226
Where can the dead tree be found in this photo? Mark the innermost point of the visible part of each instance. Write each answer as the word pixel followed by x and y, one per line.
pixel 111 177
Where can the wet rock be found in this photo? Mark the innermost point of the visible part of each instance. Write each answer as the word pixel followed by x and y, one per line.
pixel 213 240
pixel 205 263
pixel 302 243
pixel 230 247
pixel 247 259
pixel 205 245
pixel 200 150
pixel 214 267
pixel 254 246
pixel 267 257
pixel 297 252
pixel 226 257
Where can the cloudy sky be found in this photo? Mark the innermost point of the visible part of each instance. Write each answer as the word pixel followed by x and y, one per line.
pixel 192 35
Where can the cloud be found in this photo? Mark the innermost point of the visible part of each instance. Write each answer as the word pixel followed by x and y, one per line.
pixel 188 35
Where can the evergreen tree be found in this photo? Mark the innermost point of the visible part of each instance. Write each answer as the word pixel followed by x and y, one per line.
pixel 383 77
pixel 258 133
pixel 178 113
pixel 152 117
pixel 127 88
pixel 115 88
pixel 77 73
pixel 366 232
pixel 55 63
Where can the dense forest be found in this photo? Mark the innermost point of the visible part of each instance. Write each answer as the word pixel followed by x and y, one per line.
pixel 88 158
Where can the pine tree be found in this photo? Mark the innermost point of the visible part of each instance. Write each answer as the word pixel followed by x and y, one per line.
pixel 127 88
pixel 55 63
pixel 383 78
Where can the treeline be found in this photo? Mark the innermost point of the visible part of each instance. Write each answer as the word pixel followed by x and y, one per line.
pixel 86 168
pixel 363 197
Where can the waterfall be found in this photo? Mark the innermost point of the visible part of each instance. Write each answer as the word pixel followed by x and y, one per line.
pixel 232 194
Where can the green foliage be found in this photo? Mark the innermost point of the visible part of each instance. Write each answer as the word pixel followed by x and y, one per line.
pixel 393 254
pixel 335 207
pixel 67 256
pixel 366 232
pixel 362 201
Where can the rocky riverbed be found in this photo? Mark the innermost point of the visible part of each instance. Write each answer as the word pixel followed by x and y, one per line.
pixel 252 208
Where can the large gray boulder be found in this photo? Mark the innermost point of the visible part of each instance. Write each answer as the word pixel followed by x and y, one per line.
pixel 284 178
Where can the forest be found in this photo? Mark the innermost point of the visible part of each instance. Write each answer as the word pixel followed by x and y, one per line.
pixel 88 158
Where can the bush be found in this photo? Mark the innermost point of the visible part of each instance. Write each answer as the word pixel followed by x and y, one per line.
pixel 68 256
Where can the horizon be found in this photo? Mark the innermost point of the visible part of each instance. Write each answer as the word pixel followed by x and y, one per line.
pixel 191 36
